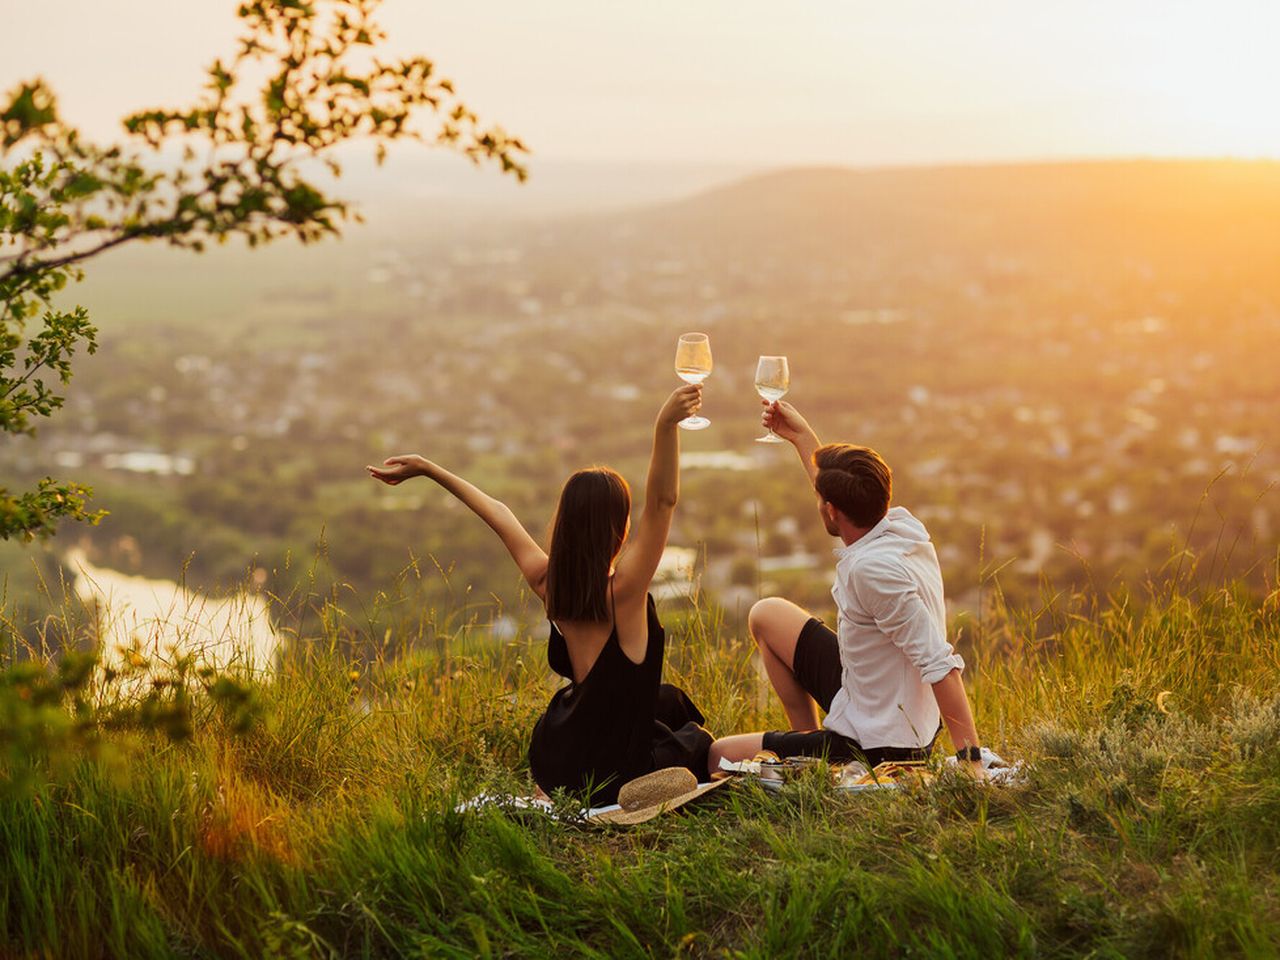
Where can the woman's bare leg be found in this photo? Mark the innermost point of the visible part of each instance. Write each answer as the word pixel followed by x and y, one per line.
pixel 743 746
pixel 775 625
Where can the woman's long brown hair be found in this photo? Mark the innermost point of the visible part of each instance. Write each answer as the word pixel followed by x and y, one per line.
pixel 587 533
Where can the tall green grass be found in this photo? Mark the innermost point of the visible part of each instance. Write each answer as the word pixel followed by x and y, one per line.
pixel 1149 824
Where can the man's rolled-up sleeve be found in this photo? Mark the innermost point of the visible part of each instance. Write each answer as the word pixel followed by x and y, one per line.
pixel 892 598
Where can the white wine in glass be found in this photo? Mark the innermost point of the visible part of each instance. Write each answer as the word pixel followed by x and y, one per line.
pixel 772 382
pixel 693 365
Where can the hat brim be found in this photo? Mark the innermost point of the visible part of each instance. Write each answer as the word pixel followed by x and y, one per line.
pixel 628 818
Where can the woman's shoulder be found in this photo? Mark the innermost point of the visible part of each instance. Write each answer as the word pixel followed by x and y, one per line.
pixel 629 590
pixel 621 601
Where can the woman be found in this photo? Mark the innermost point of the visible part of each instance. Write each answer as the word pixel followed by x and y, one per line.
pixel 615 720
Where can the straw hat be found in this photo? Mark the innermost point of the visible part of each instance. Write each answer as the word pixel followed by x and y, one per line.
pixel 645 797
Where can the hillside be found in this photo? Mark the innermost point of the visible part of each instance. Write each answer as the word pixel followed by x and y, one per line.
pixel 326 825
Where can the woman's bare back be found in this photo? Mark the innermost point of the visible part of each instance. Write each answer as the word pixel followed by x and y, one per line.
pixel 586 639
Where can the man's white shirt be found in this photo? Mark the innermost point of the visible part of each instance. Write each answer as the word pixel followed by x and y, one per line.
pixel 893 635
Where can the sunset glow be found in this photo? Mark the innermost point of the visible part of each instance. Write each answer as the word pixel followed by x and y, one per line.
pixel 753 82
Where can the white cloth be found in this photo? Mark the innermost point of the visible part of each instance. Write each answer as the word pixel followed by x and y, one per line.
pixel 893 635
pixel 999 771
pixel 510 802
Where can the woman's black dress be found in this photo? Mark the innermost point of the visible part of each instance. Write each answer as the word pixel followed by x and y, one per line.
pixel 619 723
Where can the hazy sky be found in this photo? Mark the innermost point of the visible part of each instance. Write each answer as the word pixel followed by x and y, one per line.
pixel 744 81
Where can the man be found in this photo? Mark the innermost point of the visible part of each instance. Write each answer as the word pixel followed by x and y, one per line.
pixel 888 676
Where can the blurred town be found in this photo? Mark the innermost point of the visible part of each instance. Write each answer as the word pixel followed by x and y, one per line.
pixel 1069 367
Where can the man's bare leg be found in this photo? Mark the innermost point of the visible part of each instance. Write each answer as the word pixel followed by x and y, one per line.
pixel 775 625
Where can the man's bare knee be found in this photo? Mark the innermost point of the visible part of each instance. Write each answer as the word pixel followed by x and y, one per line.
pixel 764 616
pixel 776 620
pixel 775 625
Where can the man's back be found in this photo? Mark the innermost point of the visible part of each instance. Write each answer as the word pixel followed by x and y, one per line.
pixel 893 635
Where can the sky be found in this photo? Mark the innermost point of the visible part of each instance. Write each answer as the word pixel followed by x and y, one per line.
pixel 750 83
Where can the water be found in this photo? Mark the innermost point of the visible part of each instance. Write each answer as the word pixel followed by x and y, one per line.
pixel 166 620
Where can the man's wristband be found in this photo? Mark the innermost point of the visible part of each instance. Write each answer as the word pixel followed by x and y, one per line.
pixel 969 753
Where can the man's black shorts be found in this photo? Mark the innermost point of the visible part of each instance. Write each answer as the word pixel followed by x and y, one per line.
pixel 817 666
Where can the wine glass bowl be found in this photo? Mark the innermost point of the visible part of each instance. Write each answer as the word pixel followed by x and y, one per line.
pixel 773 379
pixel 693 365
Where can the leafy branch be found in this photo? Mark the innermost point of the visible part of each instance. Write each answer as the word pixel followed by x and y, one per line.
pixel 249 158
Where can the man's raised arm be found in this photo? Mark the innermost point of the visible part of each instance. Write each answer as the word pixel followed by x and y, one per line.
pixel 785 420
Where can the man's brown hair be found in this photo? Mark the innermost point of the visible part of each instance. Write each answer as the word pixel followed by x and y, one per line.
pixel 855 480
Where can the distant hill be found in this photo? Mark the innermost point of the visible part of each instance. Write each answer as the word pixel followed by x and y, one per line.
pixel 1193 229
pixel 1212 219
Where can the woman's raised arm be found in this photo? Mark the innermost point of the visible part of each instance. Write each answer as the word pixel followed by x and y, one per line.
pixel 524 550
pixel 639 561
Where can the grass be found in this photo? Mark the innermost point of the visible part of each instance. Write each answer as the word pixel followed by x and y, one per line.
pixel 1149 825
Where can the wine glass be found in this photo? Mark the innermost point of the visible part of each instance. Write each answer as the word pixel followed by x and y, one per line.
pixel 772 380
pixel 693 365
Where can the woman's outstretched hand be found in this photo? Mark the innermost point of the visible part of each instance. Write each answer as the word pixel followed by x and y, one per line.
pixel 684 402
pixel 399 469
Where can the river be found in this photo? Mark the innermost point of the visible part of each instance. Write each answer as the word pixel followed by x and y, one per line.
pixel 165 619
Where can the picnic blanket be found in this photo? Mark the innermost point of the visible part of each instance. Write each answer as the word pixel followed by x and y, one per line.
pixel 850 778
